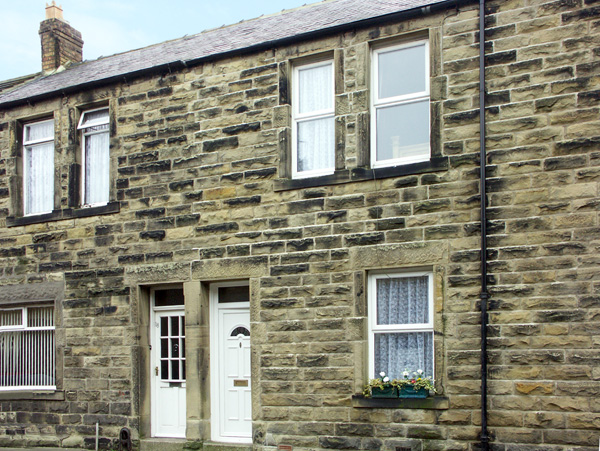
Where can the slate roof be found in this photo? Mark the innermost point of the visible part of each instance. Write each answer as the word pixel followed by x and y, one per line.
pixel 8 84
pixel 326 16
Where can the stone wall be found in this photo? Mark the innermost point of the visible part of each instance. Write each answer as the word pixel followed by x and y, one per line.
pixel 200 180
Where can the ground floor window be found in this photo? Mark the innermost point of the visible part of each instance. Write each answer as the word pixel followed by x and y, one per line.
pixel 27 348
pixel 400 323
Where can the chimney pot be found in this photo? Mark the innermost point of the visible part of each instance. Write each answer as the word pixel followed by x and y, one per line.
pixel 53 11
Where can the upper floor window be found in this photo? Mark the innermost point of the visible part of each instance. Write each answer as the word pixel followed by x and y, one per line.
pixel 400 323
pixel 313 133
pixel 38 167
pixel 27 356
pixel 95 179
pixel 400 104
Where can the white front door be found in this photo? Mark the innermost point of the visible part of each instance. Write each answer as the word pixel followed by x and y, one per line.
pixel 231 385
pixel 168 371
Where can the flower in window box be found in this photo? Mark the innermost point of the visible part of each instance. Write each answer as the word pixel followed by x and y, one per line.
pixel 381 388
pixel 415 386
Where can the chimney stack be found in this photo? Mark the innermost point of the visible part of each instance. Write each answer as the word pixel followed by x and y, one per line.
pixel 61 43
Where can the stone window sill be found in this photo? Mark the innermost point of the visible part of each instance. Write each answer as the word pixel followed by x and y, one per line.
pixel 67 213
pixel 362 174
pixel 33 395
pixel 431 403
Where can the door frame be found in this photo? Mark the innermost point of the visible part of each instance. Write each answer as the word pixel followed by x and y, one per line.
pixel 154 359
pixel 215 360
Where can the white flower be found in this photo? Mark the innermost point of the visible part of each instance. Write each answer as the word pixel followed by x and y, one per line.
pixel 382 374
pixel 386 379
pixel 405 373
pixel 420 372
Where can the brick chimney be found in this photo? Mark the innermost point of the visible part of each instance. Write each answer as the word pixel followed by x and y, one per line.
pixel 61 43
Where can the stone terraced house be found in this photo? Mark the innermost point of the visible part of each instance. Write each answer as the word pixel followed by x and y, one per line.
pixel 216 241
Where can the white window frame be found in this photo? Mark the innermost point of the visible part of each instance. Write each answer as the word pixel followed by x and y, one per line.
pixel 85 132
pixel 33 144
pixel 377 103
pixel 297 117
pixel 22 327
pixel 374 328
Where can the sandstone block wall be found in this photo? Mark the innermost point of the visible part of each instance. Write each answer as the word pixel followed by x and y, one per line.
pixel 200 193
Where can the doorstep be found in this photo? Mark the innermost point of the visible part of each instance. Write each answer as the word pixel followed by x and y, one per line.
pixel 215 446
pixel 162 444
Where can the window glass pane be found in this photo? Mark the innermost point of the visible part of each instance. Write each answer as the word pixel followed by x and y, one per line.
pixel 39 183
pixel 397 352
pixel 315 85
pixel 240 330
pixel 40 317
pixel 234 294
pixel 174 326
pixel 174 369
pixel 164 348
pixel 403 131
pixel 97 163
pixel 403 300
pixel 92 118
pixel 168 297
pixel 11 317
pixel 401 71
pixel 164 326
pixel 41 130
pixel 316 144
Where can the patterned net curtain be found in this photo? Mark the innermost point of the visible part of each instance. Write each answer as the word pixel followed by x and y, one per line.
pixel 403 301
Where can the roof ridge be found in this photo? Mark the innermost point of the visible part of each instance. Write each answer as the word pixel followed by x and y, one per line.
pixel 309 19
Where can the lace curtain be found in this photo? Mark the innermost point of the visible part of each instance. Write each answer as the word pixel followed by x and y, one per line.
pixel 403 301
pixel 97 167
pixel 39 183
pixel 315 136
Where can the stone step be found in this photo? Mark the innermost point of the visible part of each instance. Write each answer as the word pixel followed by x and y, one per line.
pixel 213 446
pixel 162 444
pixel 170 444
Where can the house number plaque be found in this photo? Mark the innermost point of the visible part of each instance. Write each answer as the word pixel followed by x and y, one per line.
pixel 240 383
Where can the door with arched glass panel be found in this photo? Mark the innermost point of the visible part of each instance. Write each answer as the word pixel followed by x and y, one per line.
pixel 231 384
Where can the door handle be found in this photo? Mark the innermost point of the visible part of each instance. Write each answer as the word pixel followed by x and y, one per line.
pixel 156 371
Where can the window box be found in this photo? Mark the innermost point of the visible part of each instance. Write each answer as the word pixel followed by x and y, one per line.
pixel 387 391
pixel 411 392
pixel 430 403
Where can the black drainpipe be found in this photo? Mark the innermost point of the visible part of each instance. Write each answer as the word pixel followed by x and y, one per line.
pixel 484 295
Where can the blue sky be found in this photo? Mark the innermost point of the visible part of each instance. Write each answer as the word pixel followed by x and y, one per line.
pixel 113 26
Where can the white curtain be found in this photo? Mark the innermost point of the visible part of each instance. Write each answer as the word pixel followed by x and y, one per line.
pixel 97 168
pixel 403 301
pixel 315 89
pixel 316 146
pixel 39 178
